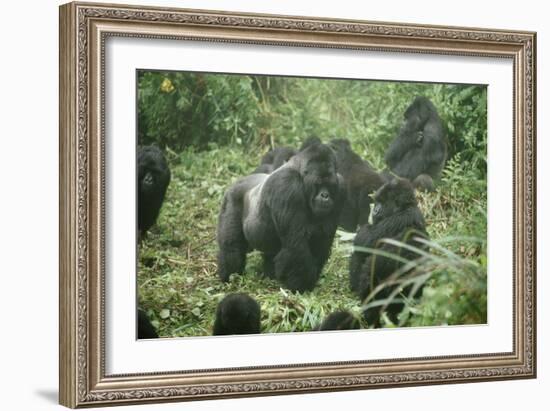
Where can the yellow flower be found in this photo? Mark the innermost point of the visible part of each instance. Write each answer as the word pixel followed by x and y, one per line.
pixel 167 86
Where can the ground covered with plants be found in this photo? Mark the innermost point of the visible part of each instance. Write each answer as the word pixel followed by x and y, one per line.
pixel 215 128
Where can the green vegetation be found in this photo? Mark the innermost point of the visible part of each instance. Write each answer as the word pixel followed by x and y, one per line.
pixel 215 128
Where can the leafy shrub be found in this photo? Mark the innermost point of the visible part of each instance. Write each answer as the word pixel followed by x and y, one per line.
pixel 192 109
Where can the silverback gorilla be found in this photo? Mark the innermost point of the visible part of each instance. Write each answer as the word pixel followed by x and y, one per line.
pixel 290 216
pixel 153 180
pixel 395 216
pixel 360 180
pixel 419 151
pixel 274 159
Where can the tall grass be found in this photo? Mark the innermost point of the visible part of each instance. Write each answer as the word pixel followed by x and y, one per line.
pixel 428 271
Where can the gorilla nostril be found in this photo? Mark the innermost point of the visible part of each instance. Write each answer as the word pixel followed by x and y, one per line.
pixel 325 195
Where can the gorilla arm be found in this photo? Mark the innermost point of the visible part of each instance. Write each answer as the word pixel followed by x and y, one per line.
pixel 285 200
pixel 434 148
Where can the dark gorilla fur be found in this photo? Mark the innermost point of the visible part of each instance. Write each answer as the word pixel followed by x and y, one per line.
pixel 153 180
pixel 395 216
pixel 310 141
pixel 274 159
pixel 339 320
pixel 145 328
pixel 360 181
pixel 419 151
pixel 290 216
pixel 237 313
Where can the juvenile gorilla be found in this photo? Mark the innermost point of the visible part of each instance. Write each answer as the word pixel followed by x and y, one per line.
pixel 237 314
pixel 290 216
pixel 153 180
pixel 395 216
pixel 339 320
pixel 274 159
pixel 419 151
pixel 360 181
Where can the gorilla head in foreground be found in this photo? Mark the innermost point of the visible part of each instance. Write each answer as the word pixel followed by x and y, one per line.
pixel 419 151
pixel 395 216
pixel 290 216
pixel 237 313
pixel 153 180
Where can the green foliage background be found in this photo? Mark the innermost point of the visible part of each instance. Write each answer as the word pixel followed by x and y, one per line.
pixel 214 129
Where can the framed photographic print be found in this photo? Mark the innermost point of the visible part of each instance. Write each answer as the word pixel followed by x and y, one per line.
pixel 259 204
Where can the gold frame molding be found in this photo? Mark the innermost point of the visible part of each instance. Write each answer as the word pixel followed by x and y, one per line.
pixel 84 27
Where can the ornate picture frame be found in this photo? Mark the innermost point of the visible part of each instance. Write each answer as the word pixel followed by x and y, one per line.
pixel 84 30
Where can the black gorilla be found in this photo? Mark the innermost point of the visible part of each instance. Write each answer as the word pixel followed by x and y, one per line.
pixel 153 180
pixel 360 181
pixel 145 328
pixel 310 141
pixel 419 151
pixel 290 216
pixel 395 216
pixel 274 159
pixel 339 320
pixel 237 314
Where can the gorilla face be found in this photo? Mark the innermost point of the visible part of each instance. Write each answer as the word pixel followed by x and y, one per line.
pixel 148 181
pixel 320 179
pixel 391 198
pixel 322 202
pixel 153 180
pixel 418 113
pixel 152 170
